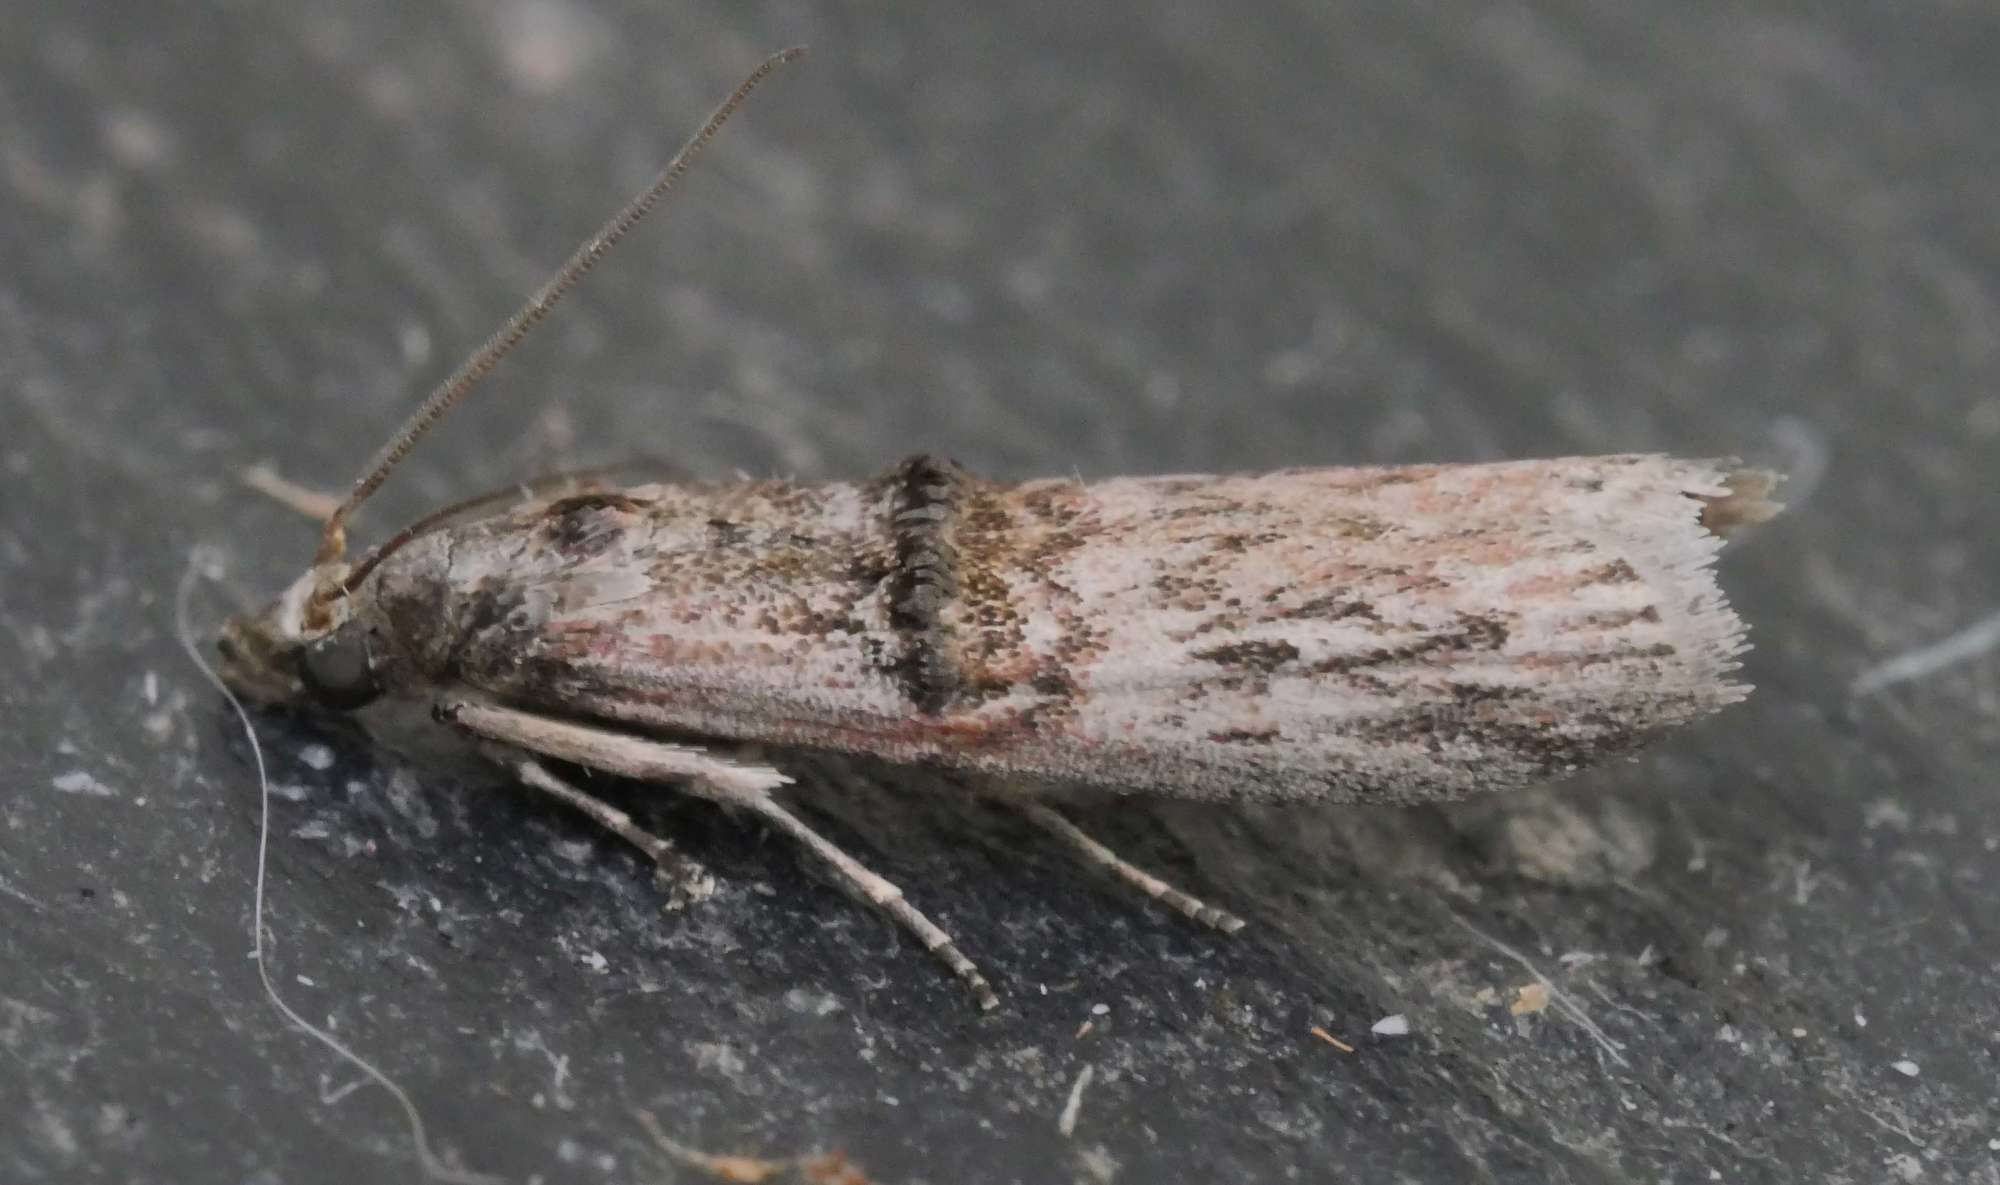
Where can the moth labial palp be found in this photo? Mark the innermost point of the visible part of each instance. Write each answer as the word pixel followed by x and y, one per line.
pixel 1381 634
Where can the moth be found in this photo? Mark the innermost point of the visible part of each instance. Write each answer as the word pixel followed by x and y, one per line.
pixel 1402 634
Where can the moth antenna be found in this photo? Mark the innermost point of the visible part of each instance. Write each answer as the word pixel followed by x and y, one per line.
pixel 333 540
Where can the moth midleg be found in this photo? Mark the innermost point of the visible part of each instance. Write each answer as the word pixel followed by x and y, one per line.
pixel 877 891
pixel 717 778
pixel 1049 820
pixel 687 876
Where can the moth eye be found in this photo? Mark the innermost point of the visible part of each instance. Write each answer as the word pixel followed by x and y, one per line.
pixel 339 670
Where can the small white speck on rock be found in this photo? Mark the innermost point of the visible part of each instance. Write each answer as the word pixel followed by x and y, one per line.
pixel 136 139
pixel 1100 1009
pixel 317 757
pixel 79 781
pixel 1906 1068
pixel 1393 1025
pixel 575 851
pixel 811 1003
pixel 416 343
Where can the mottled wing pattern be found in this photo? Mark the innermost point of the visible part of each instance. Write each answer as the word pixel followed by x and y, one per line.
pixel 754 610
pixel 1336 633
pixel 1346 633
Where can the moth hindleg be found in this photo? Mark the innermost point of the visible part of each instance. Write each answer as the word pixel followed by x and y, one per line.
pixel 1051 821
pixel 721 780
pixel 689 879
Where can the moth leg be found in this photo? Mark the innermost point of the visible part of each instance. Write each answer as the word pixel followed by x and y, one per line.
pixel 877 891
pixel 1152 886
pixel 267 481
pixel 712 776
pixel 689 879
pixel 718 779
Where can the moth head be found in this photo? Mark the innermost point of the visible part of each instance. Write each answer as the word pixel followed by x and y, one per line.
pixel 275 657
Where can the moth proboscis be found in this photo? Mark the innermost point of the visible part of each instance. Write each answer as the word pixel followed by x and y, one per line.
pixel 1391 634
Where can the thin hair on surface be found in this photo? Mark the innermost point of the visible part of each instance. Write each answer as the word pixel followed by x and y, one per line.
pixel 1564 1002
pixel 199 564
pixel 333 539
pixel 1962 646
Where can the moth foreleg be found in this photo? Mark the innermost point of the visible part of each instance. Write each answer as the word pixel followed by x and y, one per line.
pixel 689 879
pixel 714 777
pixel 709 774
pixel 1096 853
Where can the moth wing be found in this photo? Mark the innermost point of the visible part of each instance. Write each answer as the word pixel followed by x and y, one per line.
pixel 1389 633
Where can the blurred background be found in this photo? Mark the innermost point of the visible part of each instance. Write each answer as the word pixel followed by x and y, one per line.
pixel 1042 239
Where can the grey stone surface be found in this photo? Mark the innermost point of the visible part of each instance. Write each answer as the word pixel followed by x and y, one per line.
pixel 1042 239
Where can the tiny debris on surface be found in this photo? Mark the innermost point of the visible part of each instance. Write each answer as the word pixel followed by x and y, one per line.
pixel 1394 1025
pixel 1097 1164
pixel 317 756
pixel 1332 1040
pixel 1906 1068
pixel 1563 1002
pixel 811 1003
pixel 817 1168
pixel 79 781
pixel 1066 1122
pixel 1529 998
